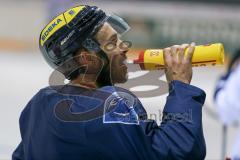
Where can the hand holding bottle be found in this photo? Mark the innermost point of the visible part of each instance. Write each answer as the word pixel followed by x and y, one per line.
pixel 177 64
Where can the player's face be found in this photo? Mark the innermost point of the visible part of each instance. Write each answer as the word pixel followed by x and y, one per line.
pixel 110 44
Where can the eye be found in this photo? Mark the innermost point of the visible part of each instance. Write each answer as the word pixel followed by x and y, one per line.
pixel 110 46
pixel 112 43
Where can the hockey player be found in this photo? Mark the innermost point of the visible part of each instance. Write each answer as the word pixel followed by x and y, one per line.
pixel 90 118
pixel 226 97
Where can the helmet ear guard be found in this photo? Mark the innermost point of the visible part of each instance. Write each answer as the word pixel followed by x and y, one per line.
pixel 91 45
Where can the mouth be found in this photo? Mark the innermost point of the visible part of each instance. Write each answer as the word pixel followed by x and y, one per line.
pixel 124 63
pixel 124 60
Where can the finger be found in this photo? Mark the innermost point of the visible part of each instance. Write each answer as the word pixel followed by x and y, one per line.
pixel 174 50
pixel 190 52
pixel 167 56
pixel 182 51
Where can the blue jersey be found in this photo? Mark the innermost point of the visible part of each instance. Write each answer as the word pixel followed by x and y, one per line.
pixel 110 123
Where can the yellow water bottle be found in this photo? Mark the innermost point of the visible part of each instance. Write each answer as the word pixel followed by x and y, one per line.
pixel 204 55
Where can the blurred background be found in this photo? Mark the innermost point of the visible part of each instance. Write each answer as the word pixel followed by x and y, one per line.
pixel 154 24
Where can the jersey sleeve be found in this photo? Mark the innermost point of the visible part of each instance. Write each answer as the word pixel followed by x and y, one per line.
pixel 180 135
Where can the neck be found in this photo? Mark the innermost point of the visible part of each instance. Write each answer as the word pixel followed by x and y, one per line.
pixel 87 80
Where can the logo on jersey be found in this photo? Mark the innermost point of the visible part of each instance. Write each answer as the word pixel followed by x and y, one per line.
pixel 119 108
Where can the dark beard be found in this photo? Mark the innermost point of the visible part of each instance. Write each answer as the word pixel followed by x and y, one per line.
pixel 104 78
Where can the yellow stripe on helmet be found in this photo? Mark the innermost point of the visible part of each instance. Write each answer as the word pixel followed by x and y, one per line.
pixel 52 27
pixel 59 22
pixel 71 13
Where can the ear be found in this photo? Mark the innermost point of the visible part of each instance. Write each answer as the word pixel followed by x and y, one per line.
pixel 81 57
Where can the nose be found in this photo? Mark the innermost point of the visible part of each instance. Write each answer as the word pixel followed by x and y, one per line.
pixel 123 53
